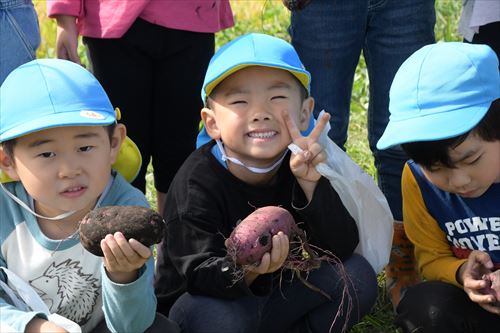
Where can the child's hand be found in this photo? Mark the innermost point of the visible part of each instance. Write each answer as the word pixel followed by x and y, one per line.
pixel 303 165
pixel 123 258
pixel 471 274
pixel 40 325
pixel 272 261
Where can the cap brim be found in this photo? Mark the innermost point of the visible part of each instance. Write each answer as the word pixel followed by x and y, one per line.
pixel 303 77
pixel 59 120
pixel 432 126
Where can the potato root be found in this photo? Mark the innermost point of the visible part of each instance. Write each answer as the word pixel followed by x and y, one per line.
pixel 143 224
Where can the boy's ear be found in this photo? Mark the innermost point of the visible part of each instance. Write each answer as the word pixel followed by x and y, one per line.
pixel 7 165
pixel 117 139
pixel 305 113
pixel 210 123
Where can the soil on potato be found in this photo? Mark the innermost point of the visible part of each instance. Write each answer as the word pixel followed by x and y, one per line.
pixel 143 224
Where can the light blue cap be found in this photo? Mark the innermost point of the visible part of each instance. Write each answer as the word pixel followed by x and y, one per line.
pixel 441 91
pixel 47 93
pixel 253 49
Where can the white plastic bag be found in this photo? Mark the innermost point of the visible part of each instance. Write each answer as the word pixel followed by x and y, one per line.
pixel 31 301
pixel 362 198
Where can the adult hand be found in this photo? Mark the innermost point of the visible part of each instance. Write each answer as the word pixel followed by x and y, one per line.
pixel 67 38
pixel 303 164
pixel 123 258
pixel 471 275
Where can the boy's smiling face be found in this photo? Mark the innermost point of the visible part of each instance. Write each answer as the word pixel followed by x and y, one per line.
pixel 247 113
pixel 64 168
pixel 477 167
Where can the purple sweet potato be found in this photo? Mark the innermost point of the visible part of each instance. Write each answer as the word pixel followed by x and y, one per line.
pixel 252 237
pixel 143 224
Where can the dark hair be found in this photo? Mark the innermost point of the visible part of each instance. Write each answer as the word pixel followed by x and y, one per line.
pixel 431 153
pixel 8 146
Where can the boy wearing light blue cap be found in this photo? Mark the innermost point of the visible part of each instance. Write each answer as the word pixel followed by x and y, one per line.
pixel 256 93
pixel 58 141
pixel 445 113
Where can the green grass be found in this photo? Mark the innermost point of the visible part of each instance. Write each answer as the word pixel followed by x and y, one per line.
pixel 272 18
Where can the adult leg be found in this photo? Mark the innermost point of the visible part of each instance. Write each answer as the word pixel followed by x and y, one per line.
pixel 352 288
pixel 328 36
pixel 397 28
pixel 19 35
pixel 440 307
pixel 124 68
pixel 179 70
pixel 489 34
pixel 195 314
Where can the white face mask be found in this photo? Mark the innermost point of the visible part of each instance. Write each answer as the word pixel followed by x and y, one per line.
pixel 25 206
pixel 250 168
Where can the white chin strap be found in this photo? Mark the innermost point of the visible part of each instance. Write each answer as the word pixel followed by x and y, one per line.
pixel 25 206
pixel 250 168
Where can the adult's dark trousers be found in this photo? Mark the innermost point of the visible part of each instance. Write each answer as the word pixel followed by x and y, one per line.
pixel 154 75
pixel 489 34
pixel 439 307
pixel 329 36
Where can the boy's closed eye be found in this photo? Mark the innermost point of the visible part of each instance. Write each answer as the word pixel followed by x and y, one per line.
pixel 474 160
pixel 279 97
pixel 237 102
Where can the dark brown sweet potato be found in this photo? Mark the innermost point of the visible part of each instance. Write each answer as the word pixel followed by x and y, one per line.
pixel 143 224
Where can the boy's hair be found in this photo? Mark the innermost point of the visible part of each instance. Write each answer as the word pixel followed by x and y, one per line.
pixel 253 50
pixel 432 153
pixel 441 91
pixel 9 145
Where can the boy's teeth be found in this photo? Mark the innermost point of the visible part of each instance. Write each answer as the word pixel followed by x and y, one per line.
pixel 261 134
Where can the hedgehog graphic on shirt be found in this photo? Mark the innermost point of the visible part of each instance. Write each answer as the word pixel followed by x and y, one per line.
pixel 77 292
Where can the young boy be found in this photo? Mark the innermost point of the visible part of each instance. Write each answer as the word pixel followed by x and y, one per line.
pixel 445 112
pixel 59 138
pixel 256 93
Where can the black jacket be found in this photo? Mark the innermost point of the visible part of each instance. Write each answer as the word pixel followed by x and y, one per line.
pixel 204 204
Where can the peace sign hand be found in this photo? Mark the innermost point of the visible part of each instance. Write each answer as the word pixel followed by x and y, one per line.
pixel 303 164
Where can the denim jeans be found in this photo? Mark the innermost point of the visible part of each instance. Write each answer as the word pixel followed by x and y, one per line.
pixel 19 34
pixel 291 306
pixel 329 36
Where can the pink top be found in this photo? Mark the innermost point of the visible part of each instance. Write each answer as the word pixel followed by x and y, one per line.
pixel 111 18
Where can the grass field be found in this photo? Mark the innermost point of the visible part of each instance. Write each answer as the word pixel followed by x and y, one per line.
pixel 271 17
